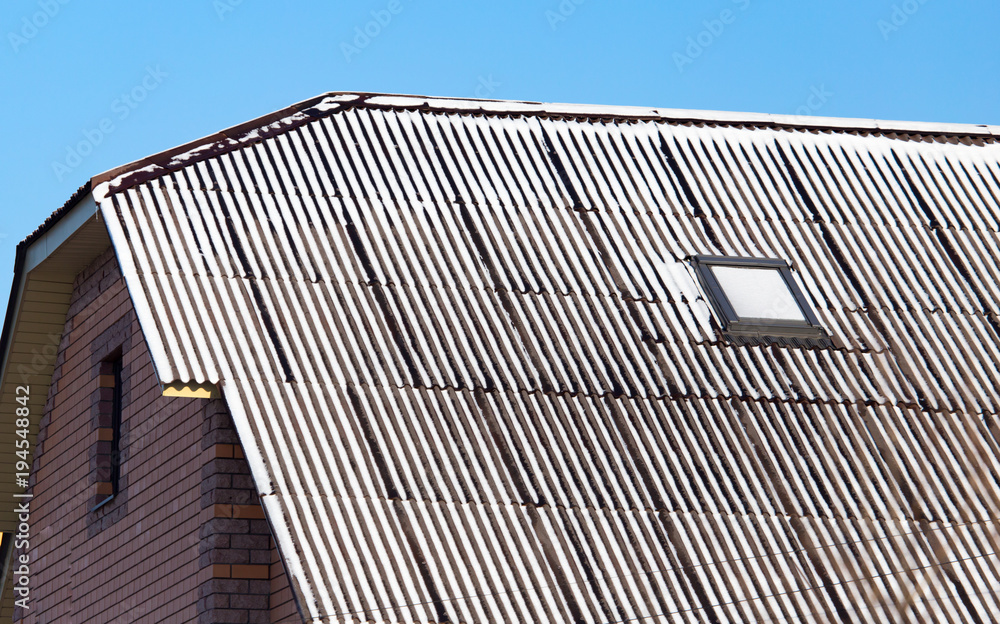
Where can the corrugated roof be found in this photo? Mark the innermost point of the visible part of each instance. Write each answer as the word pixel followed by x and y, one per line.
pixel 477 380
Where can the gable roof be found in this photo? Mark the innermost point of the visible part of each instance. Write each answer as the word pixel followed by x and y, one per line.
pixel 477 380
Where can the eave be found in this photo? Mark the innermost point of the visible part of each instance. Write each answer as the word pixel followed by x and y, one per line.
pixel 46 266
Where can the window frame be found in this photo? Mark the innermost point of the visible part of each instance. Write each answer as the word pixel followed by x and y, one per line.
pixel 112 367
pixel 736 326
pixel 117 405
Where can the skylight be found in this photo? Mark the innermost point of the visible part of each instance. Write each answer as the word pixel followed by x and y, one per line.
pixel 757 300
pixel 758 293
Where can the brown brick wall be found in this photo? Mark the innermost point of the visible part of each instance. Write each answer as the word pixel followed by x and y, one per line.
pixel 283 609
pixel 235 552
pixel 135 558
pixel 186 514
pixel 242 581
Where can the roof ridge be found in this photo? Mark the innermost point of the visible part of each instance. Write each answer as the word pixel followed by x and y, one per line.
pixel 297 114
pixel 676 115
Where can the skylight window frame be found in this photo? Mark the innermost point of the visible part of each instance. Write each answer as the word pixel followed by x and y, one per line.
pixel 735 326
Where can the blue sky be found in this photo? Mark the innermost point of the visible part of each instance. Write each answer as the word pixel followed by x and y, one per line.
pixel 91 86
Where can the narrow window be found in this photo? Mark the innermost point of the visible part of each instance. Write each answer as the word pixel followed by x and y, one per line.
pixel 107 452
pixel 758 301
pixel 116 426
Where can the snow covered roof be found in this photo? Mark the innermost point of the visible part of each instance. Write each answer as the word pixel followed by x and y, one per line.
pixel 477 379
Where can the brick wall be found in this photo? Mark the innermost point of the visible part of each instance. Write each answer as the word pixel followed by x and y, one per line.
pixel 283 609
pixel 184 534
pixel 237 555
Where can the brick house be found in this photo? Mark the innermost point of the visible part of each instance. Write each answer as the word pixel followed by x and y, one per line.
pixel 399 359
pixel 181 536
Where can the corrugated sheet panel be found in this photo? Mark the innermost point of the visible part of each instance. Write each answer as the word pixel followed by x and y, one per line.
pixel 478 381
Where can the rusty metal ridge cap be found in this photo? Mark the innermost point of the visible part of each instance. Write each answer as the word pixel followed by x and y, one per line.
pixel 220 142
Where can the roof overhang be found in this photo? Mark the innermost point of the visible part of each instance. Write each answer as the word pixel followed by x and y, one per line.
pixel 46 266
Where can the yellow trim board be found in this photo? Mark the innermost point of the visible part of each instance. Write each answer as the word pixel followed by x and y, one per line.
pixel 191 390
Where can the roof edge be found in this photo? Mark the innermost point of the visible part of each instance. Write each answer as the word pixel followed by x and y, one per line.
pixel 297 114
pixel 12 305
pixel 20 260
pixel 222 136
pixel 677 115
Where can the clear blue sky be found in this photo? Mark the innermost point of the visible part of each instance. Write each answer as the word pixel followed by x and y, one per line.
pixel 70 68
